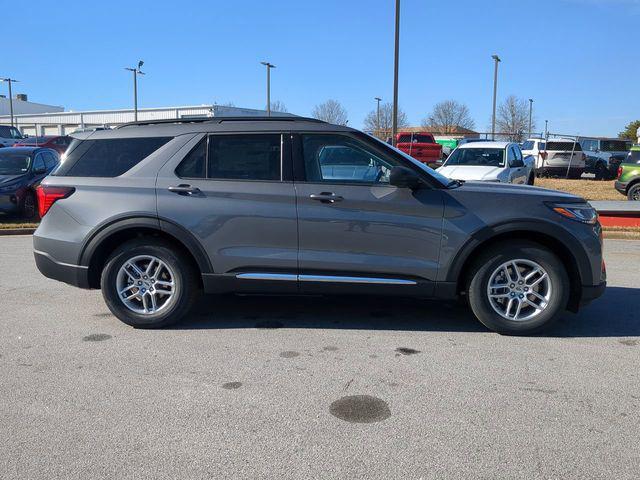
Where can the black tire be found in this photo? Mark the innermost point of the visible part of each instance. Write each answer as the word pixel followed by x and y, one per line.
pixel 633 194
pixel 532 179
pixel 29 207
pixel 601 171
pixel 495 256
pixel 186 289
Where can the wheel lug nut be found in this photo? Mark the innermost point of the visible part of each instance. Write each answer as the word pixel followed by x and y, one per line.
pixel 139 283
pixel 520 282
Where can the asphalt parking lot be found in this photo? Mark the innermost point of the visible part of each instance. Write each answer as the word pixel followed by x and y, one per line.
pixel 255 387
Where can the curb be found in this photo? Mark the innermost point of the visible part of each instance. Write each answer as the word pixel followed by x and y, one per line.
pixel 16 231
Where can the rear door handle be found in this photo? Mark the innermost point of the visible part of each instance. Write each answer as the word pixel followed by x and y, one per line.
pixel 184 189
pixel 326 197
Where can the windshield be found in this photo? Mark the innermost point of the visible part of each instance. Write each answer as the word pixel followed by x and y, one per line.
pixel 438 176
pixel 12 163
pixel 477 157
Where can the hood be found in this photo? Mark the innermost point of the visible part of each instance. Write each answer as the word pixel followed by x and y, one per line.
pixel 465 172
pixel 6 179
pixel 514 189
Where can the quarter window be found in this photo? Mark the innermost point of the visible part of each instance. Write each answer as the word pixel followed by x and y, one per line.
pixel 109 157
pixel 338 158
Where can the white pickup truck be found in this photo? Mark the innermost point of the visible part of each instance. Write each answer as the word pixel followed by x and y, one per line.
pixel 489 162
pixel 9 135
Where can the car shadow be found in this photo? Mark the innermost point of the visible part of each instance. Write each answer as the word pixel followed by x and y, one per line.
pixel 613 315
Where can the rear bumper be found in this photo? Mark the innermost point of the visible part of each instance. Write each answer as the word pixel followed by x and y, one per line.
pixel 560 171
pixel 621 187
pixel 76 275
pixel 591 292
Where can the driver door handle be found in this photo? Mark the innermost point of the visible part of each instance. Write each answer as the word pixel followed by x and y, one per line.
pixel 326 197
pixel 184 189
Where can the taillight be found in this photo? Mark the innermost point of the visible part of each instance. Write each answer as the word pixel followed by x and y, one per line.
pixel 619 172
pixel 47 196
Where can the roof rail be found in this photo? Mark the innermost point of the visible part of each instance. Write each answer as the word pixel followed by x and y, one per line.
pixel 220 119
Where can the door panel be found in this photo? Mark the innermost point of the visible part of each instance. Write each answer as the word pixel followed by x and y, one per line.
pixel 352 222
pixel 243 225
pixel 372 230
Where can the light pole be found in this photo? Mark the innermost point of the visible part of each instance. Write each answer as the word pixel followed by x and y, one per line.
pixel 10 81
pixel 269 67
pixel 496 59
pixel 136 72
pixel 394 120
pixel 378 100
pixel 530 113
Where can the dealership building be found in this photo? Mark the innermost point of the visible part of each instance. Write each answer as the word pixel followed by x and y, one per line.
pixel 40 119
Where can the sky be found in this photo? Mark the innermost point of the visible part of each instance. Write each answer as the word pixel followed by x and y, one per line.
pixel 578 59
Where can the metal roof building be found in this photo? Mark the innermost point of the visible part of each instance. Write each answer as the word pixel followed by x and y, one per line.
pixel 61 123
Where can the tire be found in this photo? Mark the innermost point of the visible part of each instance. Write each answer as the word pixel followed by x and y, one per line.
pixel 601 171
pixel 633 194
pixel 29 207
pixel 532 179
pixel 177 269
pixel 484 270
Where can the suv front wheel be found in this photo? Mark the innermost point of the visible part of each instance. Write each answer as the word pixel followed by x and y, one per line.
pixel 148 283
pixel 518 288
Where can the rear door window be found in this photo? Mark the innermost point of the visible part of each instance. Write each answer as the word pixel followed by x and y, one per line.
pixel 108 157
pixel 194 164
pixel 245 157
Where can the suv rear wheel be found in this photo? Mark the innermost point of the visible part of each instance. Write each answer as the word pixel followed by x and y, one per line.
pixel 633 193
pixel 148 283
pixel 518 288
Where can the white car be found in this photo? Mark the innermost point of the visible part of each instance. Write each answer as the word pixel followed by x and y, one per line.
pixel 9 135
pixel 559 157
pixel 489 162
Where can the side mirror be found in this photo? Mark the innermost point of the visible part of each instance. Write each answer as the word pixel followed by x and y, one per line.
pixel 403 177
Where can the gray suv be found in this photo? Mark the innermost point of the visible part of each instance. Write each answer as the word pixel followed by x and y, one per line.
pixel 155 213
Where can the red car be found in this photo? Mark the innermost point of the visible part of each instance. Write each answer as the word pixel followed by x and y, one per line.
pixel 421 146
pixel 56 142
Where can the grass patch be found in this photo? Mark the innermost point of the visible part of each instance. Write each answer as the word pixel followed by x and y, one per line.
pixel 585 188
pixel 621 233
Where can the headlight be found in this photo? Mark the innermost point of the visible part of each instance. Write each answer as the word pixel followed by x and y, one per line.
pixel 580 212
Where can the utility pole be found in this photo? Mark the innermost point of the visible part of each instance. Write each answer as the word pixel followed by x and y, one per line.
pixel 269 67
pixel 496 60
pixel 394 121
pixel 378 100
pixel 136 72
pixel 530 113
pixel 10 81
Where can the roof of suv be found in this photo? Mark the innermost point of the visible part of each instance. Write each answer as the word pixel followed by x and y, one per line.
pixel 174 127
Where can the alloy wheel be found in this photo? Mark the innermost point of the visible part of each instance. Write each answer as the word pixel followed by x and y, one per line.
pixel 519 290
pixel 145 284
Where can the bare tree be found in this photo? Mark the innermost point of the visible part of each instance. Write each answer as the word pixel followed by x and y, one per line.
pixel 512 118
pixel 383 130
pixel 278 106
pixel 448 115
pixel 330 111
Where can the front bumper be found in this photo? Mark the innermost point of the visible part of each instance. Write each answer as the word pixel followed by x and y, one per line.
pixel 76 275
pixel 621 187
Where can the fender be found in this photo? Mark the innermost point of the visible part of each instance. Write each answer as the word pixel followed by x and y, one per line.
pixel 513 226
pixel 128 221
